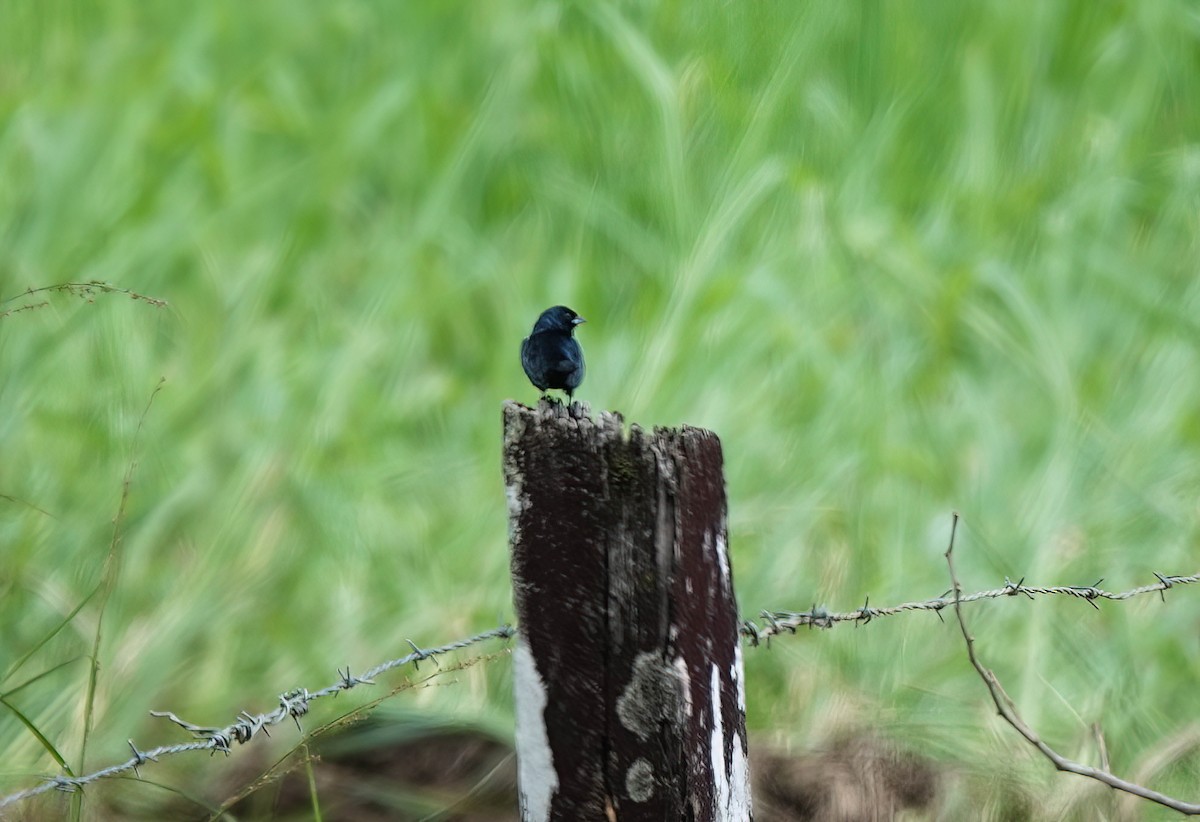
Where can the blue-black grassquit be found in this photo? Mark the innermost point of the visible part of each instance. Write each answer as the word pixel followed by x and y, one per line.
pixel 552 357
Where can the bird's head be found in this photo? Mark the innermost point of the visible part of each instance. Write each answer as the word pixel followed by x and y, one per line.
pixel 558 318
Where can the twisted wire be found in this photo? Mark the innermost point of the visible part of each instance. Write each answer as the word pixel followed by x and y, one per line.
pixel 293 704
pixel 778 622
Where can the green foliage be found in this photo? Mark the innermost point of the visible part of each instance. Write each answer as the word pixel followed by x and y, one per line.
pixel 903 258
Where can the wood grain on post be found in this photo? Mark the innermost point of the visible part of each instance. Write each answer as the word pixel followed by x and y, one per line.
pixel 628 679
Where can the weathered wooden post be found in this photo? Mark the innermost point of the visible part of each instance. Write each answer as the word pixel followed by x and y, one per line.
pixel 630 699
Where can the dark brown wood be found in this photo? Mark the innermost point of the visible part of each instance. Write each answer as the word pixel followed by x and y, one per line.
pixel 628 668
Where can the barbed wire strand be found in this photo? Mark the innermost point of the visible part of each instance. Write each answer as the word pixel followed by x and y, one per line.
pixel 293 704
pixel 778 622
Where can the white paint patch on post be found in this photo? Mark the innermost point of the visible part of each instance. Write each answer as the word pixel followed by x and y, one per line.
pixel 723 558
pixel 732 792
pixel 685 683
pixel 738 675
pixel 535 766
pixel 739 785
pixel 517 503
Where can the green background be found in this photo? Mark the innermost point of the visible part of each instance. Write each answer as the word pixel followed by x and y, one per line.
pixel 905 259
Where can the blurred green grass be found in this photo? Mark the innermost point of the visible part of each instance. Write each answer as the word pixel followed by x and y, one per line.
pixel 904 260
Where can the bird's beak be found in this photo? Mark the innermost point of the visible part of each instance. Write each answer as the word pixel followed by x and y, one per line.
pixel 578 321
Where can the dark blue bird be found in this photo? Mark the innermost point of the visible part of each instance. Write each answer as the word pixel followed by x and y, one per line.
pixel 552 357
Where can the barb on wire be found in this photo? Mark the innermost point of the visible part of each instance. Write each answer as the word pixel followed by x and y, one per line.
pixel 777 622
pixel 1008 709
pixel 293 704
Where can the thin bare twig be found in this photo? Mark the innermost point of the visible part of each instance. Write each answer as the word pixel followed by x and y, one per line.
pixel 1008 710
pixel 86 291
pixel 1101 746
pixel 27 504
